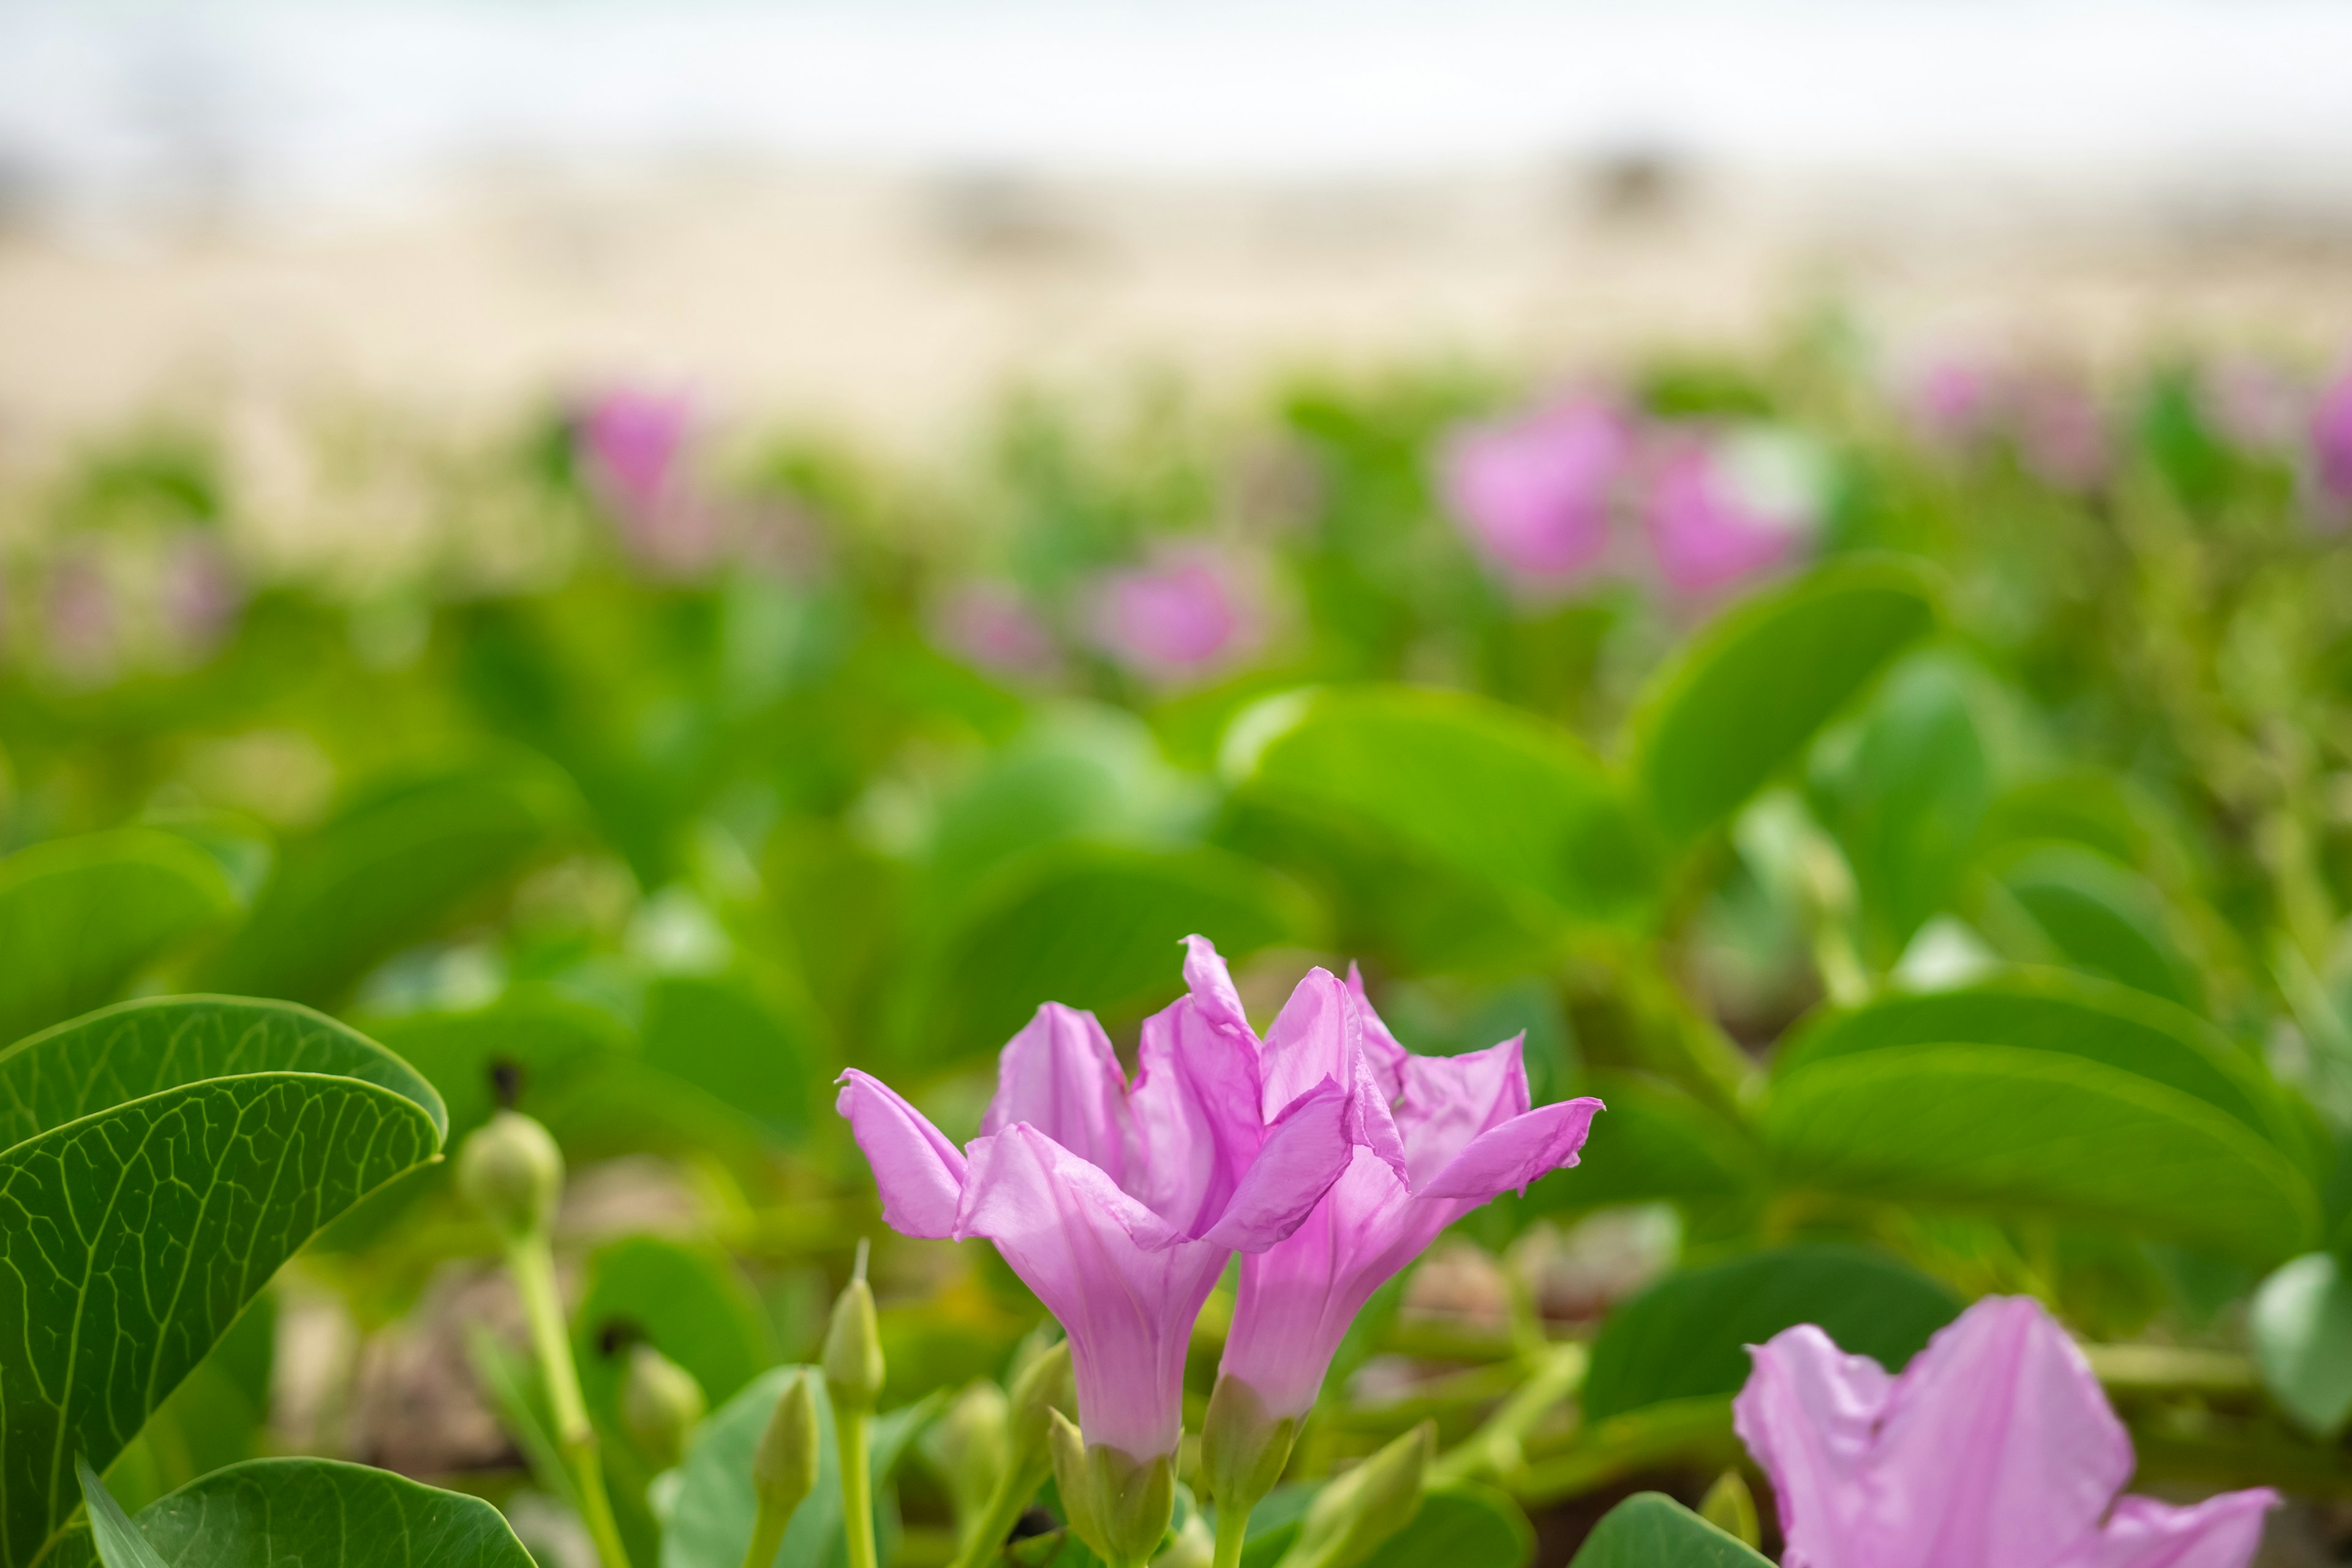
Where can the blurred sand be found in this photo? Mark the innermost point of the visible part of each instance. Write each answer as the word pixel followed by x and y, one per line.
pixel 896 305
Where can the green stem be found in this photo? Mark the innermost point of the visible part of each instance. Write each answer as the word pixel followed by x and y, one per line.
pixel 531 1262
pixel 1233 1530
pixel 851 1428
pixel 983 1538
pixel 1496 1448
pixel 767 1538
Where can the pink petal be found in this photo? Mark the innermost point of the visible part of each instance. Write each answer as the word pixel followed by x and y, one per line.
pixel 2220 1533
pixel 1060 1076
pixel 1448 1100
pixel 1303 1154
pixel 1123 1285
pixel 1381 1050
pixel 1536 1144
pixel 1808 1414
pixel 1195 1108
pixel 1320 1035
pixel 918 1171
pixel 1210 986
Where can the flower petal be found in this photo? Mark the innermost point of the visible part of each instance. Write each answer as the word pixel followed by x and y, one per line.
pixel 1060 1076
pixel 1536 1144
pixel 1807 1414
pixel 1303 1154
pixel 1383 1052
pixel 919 1170
pixel 1210 985
pixel 1447 1102
pixel 2220 1533
pixel 1320 1035
pixel 1195 1109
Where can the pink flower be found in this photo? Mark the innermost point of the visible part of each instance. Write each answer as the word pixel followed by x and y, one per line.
pixel 1726 507
pixel 1120 1204
pixel 1181 619
pixel 1443 1135
pixel 634 447
pixel 1534 493
pixel 198 595
pixel 1955 402
pixel 2061 432
pixel 2254 404
pixel 1995 1448
pixel 993 626
pixel 2331 439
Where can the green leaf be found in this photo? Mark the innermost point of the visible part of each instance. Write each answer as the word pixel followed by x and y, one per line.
pixel 2101 918
pixel 1095 927
pixel 134 1049
pixel 1462 1525
pixel 1655 1141
pixel 724 1036
pixel 145 1229
pixel 118 1541
pixel 541 1045
pixel 2302 1330
pixel 710 1518
pixel 1751 691
pixel 211 1419
pixel 79 916
pixel 394 867
pixel 1484 790
pixel 2033 1131
pixel 1651 1530
pixel 688 1303
pixel 309 1513
pixel 2066 1015
pixel 1686 1335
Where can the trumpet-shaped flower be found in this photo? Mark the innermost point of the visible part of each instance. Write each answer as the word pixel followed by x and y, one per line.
pixel 1724 509
pixel 1119 1203
pixel 2331 439
pixel 1534 492
pixel 1443 1135
pixel 1185 615
pixel 1995 1448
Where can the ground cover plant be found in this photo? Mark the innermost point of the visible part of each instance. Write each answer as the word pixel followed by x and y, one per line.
pixel 1294 985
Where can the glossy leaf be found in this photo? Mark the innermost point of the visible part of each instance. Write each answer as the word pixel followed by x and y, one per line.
pixel 115 1539
pixel 1095 927
pixel 2302 1331
pixel 1487 790
pixel 1651 1530
pixel 311 1513
pixel 1752 690
pixel 391 869
pixel 146 1227
pixel 79 916
pixel 1686 1335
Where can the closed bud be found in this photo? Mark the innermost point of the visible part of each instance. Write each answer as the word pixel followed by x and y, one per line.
pixel 511 1171
pixel 1242 1446
pixel 661 1404
pixel 1352 1516
pixel 1118 1505
pixel 783 1466
pixel 852 1348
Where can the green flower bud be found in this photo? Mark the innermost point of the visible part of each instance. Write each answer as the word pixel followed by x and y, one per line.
pixel 511 1171
pixel 661 1404
pixel 1118 1504
pixel 783 1468
pixel 1242 1446
pixel 1352 1516
pixel 1730 1507
pixel 852 1348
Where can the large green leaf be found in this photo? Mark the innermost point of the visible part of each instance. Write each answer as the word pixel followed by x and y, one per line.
pixel 688 1303
pixel 728 1037
pixel 2066 1015
pixel 710 1518
pixel 79 916
pixel 1655 1141
pixel 1097 927
pixel 137 1049
pixel 391 869
pixel 2101 918
pixel 2016 1131
pixel 1487 790
pixel 537 1045
pixel 1461 1524
pixel 1651 1530
pixel 131 1238
pixel 1753 689
pixel 1688 1334
pixel 312 1513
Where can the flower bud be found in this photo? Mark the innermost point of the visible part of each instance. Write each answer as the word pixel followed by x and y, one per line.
pixel 1242 1446
pixel 972 1446
pixel 1118 1505
pixel 1730 1507
pixel 1044 1385
pixel 783 1466
pixel 511 1171
pixel 1352 1516
pixel 661 1404
pixel 852 1348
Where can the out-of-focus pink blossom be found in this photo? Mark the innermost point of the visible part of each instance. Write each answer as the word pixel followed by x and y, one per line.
pixel 1954 401
pixel 1995 1448
pixel 993 626
pixel 634 447
pixel 2252 404
pixel 1179 619
pixel 82 618
pixel 2062 433
pixel 196 595
pixel 1535 493
pixel 1725 507
pixel 2331 439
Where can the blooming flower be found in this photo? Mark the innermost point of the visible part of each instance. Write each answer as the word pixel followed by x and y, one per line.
pixel 1995 1448
pixel 2331 439
pixel 1954 402
pixel 1179 618
pixel 2061 435
pixel 993 628
pixel 1443 1135
pixel 634 447
pixel 1726 507
pixel 1119 1204
pixel 1534 492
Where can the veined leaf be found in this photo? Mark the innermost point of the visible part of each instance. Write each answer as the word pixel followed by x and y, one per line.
pixel 117 1541
pixel 307 1513
pixel 389 871
pixel 2101 918
pixel 1651 1530
pixel 131 1238
pixel 1754 689
pixel 79 916
pixel 2011 1129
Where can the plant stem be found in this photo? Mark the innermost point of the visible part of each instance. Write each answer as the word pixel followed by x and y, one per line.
pixel 984 1537
pixel 767 1539
pixel 851 1428
pixel 1233 1530
pixel 531 1262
